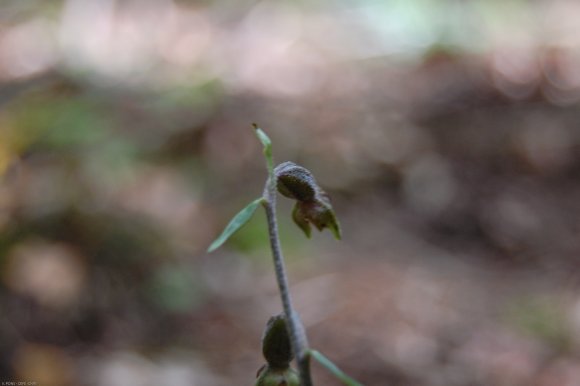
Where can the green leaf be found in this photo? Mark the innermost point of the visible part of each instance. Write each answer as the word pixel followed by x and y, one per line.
pixel 263 137
pixel 236 223
pixel 338 373
pixel 267 144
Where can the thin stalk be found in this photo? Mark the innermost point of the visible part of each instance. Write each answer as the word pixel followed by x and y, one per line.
pixel 298 339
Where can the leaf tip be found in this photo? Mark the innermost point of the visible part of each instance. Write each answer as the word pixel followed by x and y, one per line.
pixel 212 247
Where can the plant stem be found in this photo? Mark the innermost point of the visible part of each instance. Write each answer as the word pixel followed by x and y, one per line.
pixel 297 332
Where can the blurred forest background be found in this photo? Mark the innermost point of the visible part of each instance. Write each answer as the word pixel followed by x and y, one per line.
pixel 446 132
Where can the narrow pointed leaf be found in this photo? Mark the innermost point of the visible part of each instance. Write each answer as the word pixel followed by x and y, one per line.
pixel 338 373
pixel 236 223
pixel 263 137
pixel 267 144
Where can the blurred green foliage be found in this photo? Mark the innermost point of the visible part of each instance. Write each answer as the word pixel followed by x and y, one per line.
pixel 543 319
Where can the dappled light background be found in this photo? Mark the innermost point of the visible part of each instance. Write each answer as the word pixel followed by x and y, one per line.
pixel 446 133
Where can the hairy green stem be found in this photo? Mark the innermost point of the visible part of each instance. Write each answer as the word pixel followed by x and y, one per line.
pixel 297 332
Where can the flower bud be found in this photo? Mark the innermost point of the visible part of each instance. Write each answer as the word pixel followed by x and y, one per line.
pixel 276 345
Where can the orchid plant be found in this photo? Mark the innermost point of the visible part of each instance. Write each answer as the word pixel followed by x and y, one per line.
pixel 285 336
